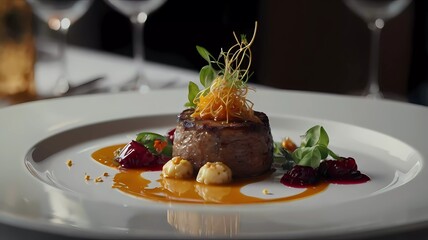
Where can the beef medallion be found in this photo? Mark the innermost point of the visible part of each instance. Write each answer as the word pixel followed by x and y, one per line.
pixel 246 147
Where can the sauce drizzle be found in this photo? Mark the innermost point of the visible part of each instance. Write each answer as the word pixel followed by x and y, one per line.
pixel 133 182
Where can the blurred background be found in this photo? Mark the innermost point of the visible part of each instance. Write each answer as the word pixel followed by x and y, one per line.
pixel 309 45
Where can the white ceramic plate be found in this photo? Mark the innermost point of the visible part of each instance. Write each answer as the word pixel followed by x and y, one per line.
pixel 38 191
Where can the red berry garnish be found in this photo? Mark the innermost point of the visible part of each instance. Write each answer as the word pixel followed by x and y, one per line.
pixel 300 176
pixel 342 170
pixel 135 155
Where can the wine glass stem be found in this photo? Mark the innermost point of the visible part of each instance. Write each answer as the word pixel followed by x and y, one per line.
pixel 62 84
pixel 139 54
pixel 373 83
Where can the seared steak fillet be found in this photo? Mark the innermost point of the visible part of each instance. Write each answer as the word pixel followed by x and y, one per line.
pixel 245 147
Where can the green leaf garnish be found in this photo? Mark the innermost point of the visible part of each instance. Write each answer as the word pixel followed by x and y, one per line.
pixel 193 91
pixel 315 135
pixel 204 54
pixel 148 140
pixel 207 75
pixel 232 70
pixel 307 156
pixel 333 155
pixel 313 148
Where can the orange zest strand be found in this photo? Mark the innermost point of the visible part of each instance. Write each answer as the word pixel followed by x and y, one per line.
pixel 159 145
pixel 225 103
pixel 226 98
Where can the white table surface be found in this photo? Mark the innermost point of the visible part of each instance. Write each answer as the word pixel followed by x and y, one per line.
pixel 85 64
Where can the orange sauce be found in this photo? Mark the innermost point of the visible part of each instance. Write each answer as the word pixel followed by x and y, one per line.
pixel 133 182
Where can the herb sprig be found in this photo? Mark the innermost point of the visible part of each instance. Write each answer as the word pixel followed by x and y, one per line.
pixel 313 148
pixel 151 140
pixel 223 79
pixel 207 74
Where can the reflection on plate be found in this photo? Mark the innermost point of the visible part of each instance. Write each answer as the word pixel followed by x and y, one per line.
pixel 48 195
pixel 196 224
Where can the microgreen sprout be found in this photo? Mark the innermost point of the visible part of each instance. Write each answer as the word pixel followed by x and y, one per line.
pixel 313 148
pixel 223 96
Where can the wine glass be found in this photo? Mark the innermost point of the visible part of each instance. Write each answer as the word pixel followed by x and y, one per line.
pixel 59 16
pixel 137 11
pixel 375 13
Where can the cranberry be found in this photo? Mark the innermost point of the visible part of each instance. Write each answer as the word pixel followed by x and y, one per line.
pixel 170 134
pixel 300 176
pixel 340 168
pixel 343 170
pixel 135 155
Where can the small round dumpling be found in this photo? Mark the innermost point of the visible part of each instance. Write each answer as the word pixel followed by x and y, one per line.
pixel 214 173
pixel 177 168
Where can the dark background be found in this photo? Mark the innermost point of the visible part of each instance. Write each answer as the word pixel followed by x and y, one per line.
pixel 172 32
pixel 306 45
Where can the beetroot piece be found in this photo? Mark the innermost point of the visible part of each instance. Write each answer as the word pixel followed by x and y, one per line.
pixel 300 177
pixel 343 170
pixel 340 171
pixel 135 155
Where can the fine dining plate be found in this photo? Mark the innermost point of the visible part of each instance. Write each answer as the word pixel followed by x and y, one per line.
pixel 39 191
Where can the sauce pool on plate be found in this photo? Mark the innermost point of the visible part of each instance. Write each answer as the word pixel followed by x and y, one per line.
pixel 133 182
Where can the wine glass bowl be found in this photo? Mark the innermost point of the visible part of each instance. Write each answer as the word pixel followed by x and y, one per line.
pixel 133 8
pixel 371 10
pixel 137 12
pixel 59 15
pixel 52 10
pixel 375 13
